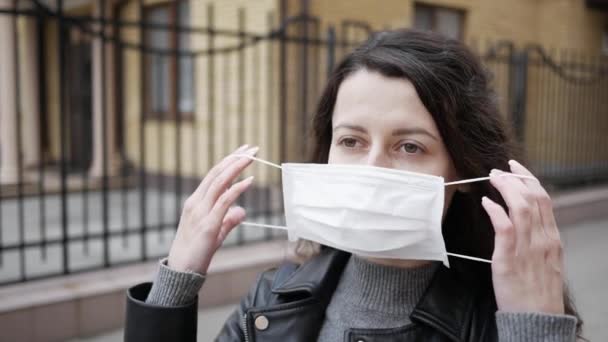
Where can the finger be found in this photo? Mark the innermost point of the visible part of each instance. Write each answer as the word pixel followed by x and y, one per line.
pixel 528 195
pixel 233 218
pixel 219 185
pixel 521 211
pixel 216 170
pixel 505 239
pixel 225 201
pixel 543 199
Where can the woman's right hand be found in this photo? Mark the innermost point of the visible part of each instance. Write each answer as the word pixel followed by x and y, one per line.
pixel 208 215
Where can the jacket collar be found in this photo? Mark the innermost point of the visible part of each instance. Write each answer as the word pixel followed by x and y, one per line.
pixel 318 277
pixel 447 304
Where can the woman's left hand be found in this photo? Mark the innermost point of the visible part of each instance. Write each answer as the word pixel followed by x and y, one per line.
pixel 527 264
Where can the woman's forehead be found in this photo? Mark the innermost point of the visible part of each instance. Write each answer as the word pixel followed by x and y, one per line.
pixel 373 100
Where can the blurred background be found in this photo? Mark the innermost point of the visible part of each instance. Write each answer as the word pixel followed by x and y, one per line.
pixel 112 111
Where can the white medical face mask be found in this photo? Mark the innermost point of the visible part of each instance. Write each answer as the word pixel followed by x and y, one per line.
pixel 366 210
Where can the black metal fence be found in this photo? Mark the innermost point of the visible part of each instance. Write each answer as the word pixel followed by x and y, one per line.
pixel 119 114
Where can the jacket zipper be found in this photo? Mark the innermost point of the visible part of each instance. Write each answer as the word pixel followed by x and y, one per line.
pixel 245 328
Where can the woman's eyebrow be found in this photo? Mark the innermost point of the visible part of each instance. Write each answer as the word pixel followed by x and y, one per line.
pixel 353 127
pixel 412 131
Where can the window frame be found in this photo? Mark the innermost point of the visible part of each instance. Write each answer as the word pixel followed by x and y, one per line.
pixel 174 72
pixel 434 10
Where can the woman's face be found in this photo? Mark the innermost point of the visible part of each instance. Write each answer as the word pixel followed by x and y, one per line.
pixel 380 121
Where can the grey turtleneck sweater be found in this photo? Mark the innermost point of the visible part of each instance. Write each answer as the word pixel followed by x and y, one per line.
pixel 375 296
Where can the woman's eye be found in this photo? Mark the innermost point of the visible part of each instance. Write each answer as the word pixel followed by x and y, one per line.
pixel 410 148
pixel 349 142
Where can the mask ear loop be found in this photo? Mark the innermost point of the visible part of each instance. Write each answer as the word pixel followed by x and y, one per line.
pixel 259 160
pixel 472 180
pixel 469 257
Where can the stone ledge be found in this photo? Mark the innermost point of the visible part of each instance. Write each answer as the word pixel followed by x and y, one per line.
pixel 580 205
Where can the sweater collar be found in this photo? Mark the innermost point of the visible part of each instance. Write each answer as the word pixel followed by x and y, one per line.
pixel 387 289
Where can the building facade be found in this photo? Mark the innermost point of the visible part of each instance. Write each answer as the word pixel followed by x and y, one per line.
pixel 174 98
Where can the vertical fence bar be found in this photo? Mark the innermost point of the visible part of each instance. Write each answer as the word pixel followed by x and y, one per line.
pixel 283 85
pixel 570 132
pixel 9 21
pixel 41 61
pixel 586 149
pixel 600 159
pixel 544 95
pixel 160 123
pixel 85 192
pixel 104 139
pixel 549 108
pixel 567 120
pixel 260 191
pixel 142 131
pixel 267 118
pixel 63 132
pixel 553 105
pixel 314 83
pixel 592 155
pixel 520 78
pixel 304 83
pixel 178 114
pixel 18 113
pixel 579 113
pixel 122 123
pixel 210 87
pixel 282 91
pixel 195 138
pixel 563 86
pixel 241 79
pixel 226 102
pixel 557 106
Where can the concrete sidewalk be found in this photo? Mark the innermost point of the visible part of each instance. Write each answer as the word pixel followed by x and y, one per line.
pixel 586 270
pixel 586 257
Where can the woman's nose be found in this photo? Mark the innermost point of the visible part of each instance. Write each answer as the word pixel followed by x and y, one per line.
pixel 377 157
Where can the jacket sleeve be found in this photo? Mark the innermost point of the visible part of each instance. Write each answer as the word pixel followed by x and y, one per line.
pixel 152 323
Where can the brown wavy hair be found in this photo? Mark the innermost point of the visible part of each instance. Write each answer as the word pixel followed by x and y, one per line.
pixel 455 88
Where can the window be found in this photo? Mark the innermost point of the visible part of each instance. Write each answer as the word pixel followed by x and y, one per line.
pixel 449 22
pixel 169 80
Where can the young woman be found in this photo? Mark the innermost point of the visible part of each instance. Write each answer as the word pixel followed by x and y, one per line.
pixel 410 101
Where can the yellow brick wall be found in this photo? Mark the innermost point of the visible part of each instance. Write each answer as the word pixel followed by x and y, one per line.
pixel 552 23
pixel 259 124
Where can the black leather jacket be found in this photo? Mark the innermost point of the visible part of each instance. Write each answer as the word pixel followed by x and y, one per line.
pixel 288 304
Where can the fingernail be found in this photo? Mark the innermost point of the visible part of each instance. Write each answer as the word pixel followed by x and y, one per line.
pixel 243 147
pixel 513 162
pixel 484 199
pixel 249 179
pixel 252 151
